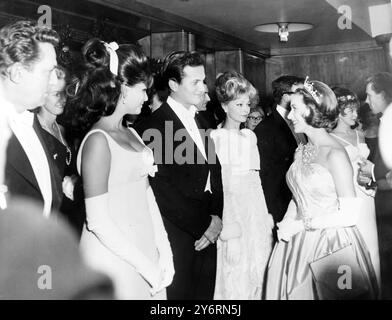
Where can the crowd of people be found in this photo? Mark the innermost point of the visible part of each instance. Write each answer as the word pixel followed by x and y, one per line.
pixel 196 198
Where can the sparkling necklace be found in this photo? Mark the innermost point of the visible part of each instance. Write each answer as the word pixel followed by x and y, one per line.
pixel 68 157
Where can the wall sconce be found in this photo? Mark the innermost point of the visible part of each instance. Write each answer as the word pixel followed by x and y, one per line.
pixel 283 28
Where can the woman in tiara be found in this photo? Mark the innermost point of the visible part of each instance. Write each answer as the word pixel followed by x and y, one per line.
pixel 354 142
pixel 320 253
pixel 124 234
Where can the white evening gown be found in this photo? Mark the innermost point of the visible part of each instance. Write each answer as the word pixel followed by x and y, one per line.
pixel 244 203
pixel 367 216
pixel 134 211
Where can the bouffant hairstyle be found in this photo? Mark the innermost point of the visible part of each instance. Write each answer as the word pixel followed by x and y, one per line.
pixel 95 91
pixel 382 82
pixel 19 43
pixel 322 105
pixel 232 84
pixel 346 99
pixel 175 62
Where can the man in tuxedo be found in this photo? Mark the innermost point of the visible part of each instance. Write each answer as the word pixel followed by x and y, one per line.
pixel 379 96
pixel 277 142
pixel 27 64
pixel 187 186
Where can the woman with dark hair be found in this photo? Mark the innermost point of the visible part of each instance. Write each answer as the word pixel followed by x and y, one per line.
pixel 124 235
pixel 357 150
pixel 245 243
pixel 67 193
pixel 320 253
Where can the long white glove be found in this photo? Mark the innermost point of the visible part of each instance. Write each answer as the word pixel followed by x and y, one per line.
pixel 162 242
pixel 346 216
pixel 288 226
pixel 104 228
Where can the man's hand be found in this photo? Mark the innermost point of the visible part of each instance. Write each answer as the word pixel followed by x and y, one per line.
pixel 363 180
pixel 366 168
pixel 211 234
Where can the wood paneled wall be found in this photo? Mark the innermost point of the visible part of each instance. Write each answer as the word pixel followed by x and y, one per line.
pixel 252 67
pixel 158 45
pixel 347 69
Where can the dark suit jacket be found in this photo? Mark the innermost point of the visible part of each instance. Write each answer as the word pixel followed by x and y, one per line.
pixel 276 145
pixel 19 174
pixel 179 188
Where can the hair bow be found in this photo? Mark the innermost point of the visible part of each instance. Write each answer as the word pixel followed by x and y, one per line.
pixel 113 63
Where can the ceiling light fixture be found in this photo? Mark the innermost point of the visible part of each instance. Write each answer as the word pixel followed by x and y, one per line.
pixel 283 28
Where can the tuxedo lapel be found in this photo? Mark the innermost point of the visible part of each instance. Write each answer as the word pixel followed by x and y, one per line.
pixel 36 155
pixel 17 158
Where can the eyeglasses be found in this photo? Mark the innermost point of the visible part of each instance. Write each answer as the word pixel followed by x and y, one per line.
pixel 256 118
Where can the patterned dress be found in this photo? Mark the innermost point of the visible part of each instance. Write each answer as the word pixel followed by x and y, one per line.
pixel 244 203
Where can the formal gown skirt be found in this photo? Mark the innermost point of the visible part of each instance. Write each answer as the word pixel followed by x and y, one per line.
pixel 289 275
pixel 244 203
pixel 133 219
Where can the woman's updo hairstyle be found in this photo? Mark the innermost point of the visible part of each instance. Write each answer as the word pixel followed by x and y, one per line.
pixel 321 103
pixel 231 84
pixel 94 91
pixel 346 99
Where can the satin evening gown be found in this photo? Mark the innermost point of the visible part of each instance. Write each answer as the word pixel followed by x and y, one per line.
pixel 289 274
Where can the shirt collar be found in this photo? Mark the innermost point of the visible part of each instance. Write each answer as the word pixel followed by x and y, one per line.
pixel 179 109
pixel 7 109
pixel 282 111
pixel 25 118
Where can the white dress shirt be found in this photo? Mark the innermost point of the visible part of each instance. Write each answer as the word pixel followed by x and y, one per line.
pixel 21 125
pixel 187 117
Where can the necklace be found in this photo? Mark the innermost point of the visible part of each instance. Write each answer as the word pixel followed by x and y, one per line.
pixel 68 158
pixel 58 136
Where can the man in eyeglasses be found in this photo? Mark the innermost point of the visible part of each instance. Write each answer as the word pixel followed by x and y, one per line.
pixel 255 116
pixel 277 142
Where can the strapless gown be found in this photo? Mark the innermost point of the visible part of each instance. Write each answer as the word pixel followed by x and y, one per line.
pixel 289 274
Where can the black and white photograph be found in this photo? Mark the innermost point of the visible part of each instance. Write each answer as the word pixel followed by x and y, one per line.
pixel 208 151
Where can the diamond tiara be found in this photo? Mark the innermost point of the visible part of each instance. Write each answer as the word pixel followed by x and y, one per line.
pixel 308 86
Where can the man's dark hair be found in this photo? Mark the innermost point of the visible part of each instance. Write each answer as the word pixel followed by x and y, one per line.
pixel 175 62
pixel 382 82
pixel 283 85
pixel 19 43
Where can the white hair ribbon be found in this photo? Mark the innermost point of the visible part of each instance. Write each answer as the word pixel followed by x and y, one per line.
pixel 113 64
